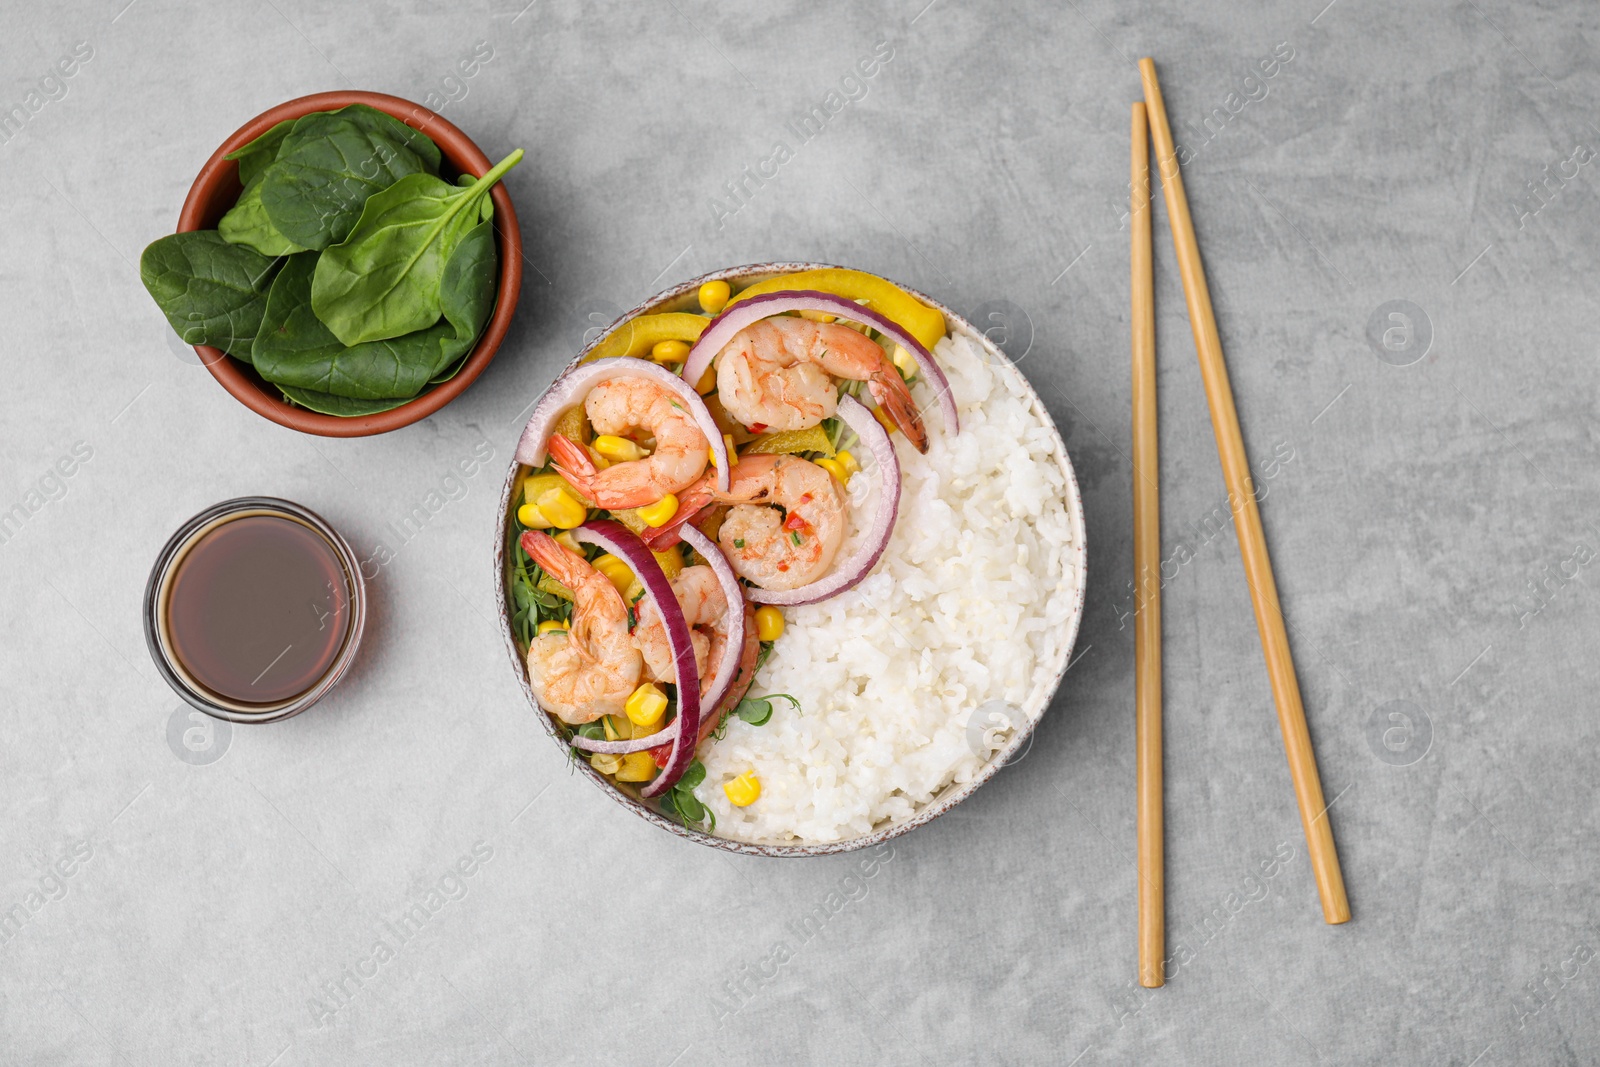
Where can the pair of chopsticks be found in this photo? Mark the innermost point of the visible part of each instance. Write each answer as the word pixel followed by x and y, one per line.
pixel 1150 123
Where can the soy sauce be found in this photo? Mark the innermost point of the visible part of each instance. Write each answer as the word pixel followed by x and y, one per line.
pixel 258 609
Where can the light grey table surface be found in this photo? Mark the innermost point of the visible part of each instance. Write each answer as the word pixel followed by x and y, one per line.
pixel 1430 507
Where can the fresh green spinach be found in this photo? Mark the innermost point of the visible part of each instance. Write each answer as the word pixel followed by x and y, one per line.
pixel 384 279
pixel 294 348
pixel 328 404
pixel 246 223
pixel 212 292
pixel 250 287
pixel 256 156
pixel 328 166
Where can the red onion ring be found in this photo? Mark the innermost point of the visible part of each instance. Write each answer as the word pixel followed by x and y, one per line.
pixel 724 672
pixel 847 573
pixel 622 748
pixel 569 390
pixel 623 543
pixel 720 330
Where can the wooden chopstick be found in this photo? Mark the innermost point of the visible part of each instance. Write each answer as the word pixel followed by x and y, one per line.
pixel 1146 570
pixel 1246 517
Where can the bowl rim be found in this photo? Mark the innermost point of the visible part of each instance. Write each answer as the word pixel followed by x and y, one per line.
pixel 461 151
pixel 953 793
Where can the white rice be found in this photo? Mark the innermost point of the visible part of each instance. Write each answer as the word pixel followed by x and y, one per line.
pixel 971 602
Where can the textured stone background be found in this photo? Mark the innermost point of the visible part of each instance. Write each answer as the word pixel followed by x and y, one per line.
pixel 1430 508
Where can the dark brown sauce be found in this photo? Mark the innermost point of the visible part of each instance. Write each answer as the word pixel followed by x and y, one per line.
pixel 258 609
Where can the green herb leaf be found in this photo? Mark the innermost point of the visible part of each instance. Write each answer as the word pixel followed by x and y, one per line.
pixel 690 808
pixel 255 157
pixel 738 542
pixel 754 710
pixel 330 163
pixel 692 776
pixel 384 279
pixel 295 349
pixel 246 223
pixel 212 292
pixel 795 536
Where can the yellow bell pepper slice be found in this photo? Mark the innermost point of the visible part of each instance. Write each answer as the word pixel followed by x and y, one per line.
pixel 573 425
pixel 637 767
pixel 781 442
pixel 536 485
pixel 638 336
pixel 924 323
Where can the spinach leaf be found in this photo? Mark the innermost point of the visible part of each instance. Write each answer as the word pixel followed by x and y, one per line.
pixel 212 292
pixel 384 279
pixel 256 156
pixel 246 223
pixel 328 404
pixel 295 349
pixel 382 122
pixel 328 166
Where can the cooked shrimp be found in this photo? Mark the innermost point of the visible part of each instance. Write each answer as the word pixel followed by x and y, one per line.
pixel 593 668
pixel 705 609
pixel 619 406
pixel 777 374
pixel 773 549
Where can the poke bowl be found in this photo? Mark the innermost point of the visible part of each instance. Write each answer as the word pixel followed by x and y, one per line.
pixel 790 560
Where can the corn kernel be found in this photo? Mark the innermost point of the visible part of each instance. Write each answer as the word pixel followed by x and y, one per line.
pixel 561 509
pixel 848 462
pixel 660 513
pixel 551 626
pixel 833 467
pixel 744 790
pixel 769 623
pixel 708 381
pixel 530 516
pixel 618 448
pixel 567 541
pixel 637 767
pixel 884 420
pixel 616 571
pixel 617 727
pixel 902 359
pixel 714 296
pixel 605 762
pixel 646 705
pixel 818 316
pixel 669 351
pixel 600 462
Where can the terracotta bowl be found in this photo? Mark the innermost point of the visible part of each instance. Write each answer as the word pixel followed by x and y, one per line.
pixel 683 297
pixel 217 189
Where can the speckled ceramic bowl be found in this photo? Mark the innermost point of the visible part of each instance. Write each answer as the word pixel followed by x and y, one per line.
pixel 683 297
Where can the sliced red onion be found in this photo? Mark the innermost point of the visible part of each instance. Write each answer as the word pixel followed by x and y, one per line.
pixel 622 748
pixel 721 329
pixel 623 543
pixel 569 390
pixel 724 672
pixel 846 573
